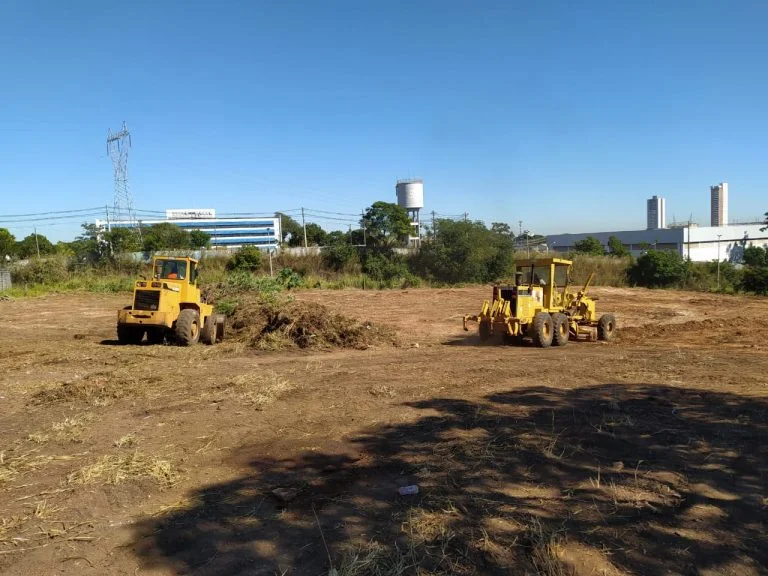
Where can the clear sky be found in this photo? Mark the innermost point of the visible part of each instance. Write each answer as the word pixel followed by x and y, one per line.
pixel 566 115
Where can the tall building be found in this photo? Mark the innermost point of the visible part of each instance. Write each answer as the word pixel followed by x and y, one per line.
pixel 657 213
pixel 719 206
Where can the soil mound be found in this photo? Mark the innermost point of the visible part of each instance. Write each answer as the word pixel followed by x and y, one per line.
pixel 293 324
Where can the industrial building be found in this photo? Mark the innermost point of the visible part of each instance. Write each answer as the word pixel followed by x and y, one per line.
pixel 230 232
pixel 700 244
pixel 410 195
pixel 719 204
pixel 656 213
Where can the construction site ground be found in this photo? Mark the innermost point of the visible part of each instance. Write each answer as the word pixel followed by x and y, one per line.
pixel 647 455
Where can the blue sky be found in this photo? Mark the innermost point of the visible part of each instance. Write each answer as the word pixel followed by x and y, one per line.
pixel 566 115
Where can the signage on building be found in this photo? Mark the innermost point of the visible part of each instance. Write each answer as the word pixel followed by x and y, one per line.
pixel 190 213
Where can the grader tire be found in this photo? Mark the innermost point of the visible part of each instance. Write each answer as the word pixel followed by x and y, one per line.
pixel 188 327
pixel 129 334
pixel 606 327
pixel 484 329
pixel 208 333
pixel 560 329
pixel 542 330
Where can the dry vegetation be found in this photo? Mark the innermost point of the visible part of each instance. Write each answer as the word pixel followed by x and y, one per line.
pixel 642 456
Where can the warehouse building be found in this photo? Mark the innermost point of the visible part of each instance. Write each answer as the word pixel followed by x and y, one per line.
pixel 228 232
pixel 700 244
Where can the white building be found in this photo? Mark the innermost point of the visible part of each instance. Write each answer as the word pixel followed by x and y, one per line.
pixel 700 244
pixel 719 204
pixel 228 232
pixel 657 213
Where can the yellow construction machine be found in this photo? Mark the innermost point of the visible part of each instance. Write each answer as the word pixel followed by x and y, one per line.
pixel 168 306
pixel 542 306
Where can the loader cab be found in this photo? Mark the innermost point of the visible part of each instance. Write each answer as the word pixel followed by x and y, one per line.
pixel 181 272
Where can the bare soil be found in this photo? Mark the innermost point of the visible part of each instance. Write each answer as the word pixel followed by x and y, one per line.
pixel 647 455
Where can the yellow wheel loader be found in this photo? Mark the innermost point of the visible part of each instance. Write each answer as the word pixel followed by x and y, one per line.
pixel 168 307
pixel 543 307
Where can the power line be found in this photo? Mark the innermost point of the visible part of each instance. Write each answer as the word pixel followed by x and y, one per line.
pixel 53 212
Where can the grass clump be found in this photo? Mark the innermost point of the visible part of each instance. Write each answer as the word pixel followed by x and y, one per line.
pixel 118 468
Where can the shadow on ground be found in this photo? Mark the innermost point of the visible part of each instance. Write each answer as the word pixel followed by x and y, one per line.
pixel 612 479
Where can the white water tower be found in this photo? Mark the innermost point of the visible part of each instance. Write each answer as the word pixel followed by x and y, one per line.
pixel 410 195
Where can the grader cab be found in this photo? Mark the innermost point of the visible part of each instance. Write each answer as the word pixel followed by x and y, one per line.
pixel 168 306
pixel 542 306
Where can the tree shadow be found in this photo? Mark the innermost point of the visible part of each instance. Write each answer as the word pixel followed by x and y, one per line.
pixel 645 479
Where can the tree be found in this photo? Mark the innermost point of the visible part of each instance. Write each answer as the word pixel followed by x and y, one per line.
pixel 247 258
pixel 316 236
pixel 501 228
pixel 7 244
pixel 122 240
pixel 465 252
pixel 199 239
pixel 755 256
pixel 29 246
pixel 165 236
pixel 616 248
pixel 658 269
pixel 386 225
pixel 764 228
pixel 290 230
pixel 590 245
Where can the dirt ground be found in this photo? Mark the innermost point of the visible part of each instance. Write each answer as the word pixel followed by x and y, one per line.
pixel 647 455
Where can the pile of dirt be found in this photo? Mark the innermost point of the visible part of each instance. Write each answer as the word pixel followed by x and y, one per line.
pixel 738 331
pixel 291 324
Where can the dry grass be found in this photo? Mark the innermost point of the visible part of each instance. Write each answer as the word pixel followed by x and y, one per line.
pixel 13 463
pixel 382 391
pixel 545 550
pixel 127 441
pixel 119 468
pixel 259 390
pixel 373 559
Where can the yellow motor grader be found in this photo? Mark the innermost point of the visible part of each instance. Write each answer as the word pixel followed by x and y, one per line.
pixel 168 306
pixel 542 306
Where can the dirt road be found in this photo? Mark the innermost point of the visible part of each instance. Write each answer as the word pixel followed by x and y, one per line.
pixel 646 455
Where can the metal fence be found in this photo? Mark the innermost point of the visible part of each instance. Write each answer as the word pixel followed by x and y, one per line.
pixel 5 279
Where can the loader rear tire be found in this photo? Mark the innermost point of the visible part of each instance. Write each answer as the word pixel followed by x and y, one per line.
pixel 606 327
pixel 484 329
pixel 188 327
pixel 208 333
pixel 542 330
pixel 560 329
pixel 129 334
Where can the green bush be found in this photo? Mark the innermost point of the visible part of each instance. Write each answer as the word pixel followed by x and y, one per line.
pixel 755 280
pixel 658 269
pixel 45 271
pixel 290 279
pixel 341 258
pixel 247 258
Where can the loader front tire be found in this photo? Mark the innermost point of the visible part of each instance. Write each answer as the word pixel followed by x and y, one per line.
pixel 129 334
pixel 606 327
pixel 188 327
pixel 560 329
pixel 208 333
pixel 484 329
pixel 542 330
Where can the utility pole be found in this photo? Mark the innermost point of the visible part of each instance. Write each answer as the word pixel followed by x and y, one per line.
pixel 466 214
pixel 37 243
pixel 106 214
pixel 362 225
pixel 718 262
pixel 304 226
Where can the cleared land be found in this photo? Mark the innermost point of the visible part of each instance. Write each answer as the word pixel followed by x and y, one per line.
pixel 647 455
